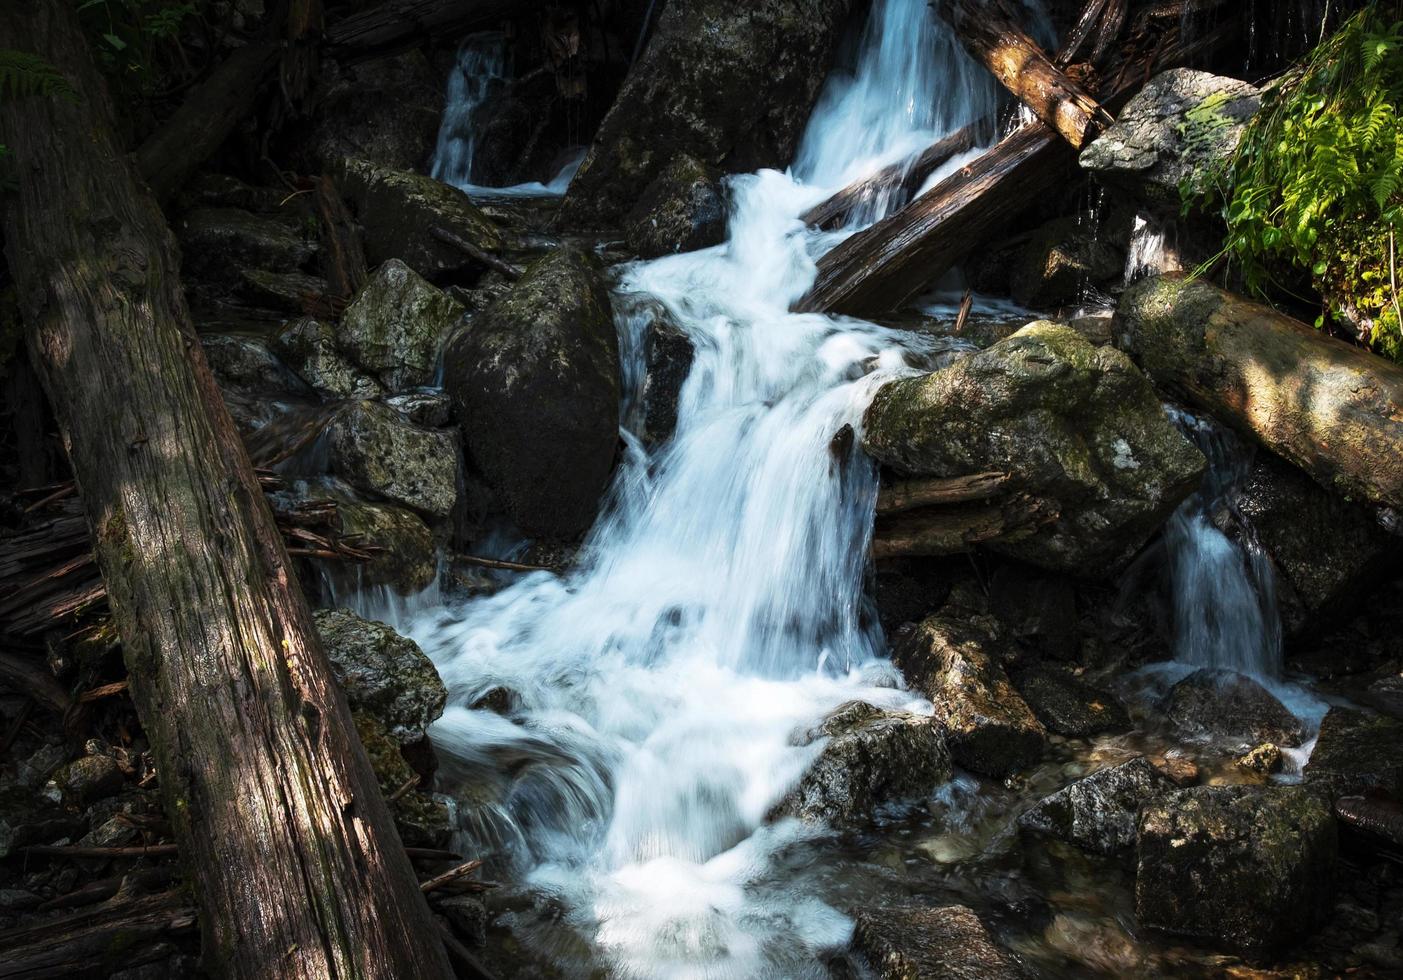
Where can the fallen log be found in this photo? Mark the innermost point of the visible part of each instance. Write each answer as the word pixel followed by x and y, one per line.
pixel 400 24
pixel 1378 821
pixel 989 30
pixel 956 530
pixel 293 858
pixel 205 119
pixel 1334 410
pixel 903 495
pixel 96 941
pixel 343 256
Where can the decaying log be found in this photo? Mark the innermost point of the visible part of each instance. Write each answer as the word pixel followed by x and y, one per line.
pixel 989 31
pixel 958 529
pixel 1334 410
pixel 294 860
pixel 512 272
pixel 1379 821
pixel 32 678
pixel 1077 37
pixel 399 24
pixel 95 941
pixel 205 119
pixel 343 255
pixel 903 495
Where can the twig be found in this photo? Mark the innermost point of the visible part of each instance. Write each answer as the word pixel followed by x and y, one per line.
pixel 80 851
pixel 409 784
pixel 472 251
pixel 509 566
pixel 966 305
pixel 105 691
pixel 438 881
pixel 57 495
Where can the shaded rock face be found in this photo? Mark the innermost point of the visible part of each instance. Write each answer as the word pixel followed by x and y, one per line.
pixel 1249 867
pixel 1099 813
pixel 682 210
pixel 246 365
pixel 667 360
pixel 1356 752
pixel 221 240
pixel 398 209
pixel 1174 131
pixel 535 387
pixel 396 325
pixel 88 779
pixel 382 673
pixel 373 448
pixel 1067 705
pixel 309 347
pixel 989 728
pixel 423 820
pixel 1063 258
pixel 873 757
pixel 1328 553
pixel 729 84
pixel 1077 427
pixel 1038 610
pixel 1226 704
pixel 25 820
pixel 915 943
pixel 406 559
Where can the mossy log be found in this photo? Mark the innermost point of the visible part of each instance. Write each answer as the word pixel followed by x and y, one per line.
pixel 293 859
pixel 1334 410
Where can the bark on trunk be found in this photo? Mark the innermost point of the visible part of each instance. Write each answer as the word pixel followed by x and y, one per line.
pixel 295 863
pixel 205 119
pixel 400 24
pixel 1334 410
pixel 989 31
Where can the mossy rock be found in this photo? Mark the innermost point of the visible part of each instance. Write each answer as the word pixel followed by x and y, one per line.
pixel 396 324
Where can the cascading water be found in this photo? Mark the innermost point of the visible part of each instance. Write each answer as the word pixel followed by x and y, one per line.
pixel 717 606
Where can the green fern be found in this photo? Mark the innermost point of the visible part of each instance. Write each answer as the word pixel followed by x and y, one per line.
pixel 23 74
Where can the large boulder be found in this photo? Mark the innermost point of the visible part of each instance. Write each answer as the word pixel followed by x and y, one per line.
pixel 1094 464
pixel 1100 812
pixel 923 943
pixel 382 673
pixel 245 364
pixel 873 757
pixel 396 325
pixel 1068 705
pixel 682 210
pixel 374 448
pixel 728 84
pixel 535 387
pixel 1249 867
pixel 310 348
pixel 399 210
pixel 1173 134
pixel 989 728
pixel 1224 704
pixel 1357 752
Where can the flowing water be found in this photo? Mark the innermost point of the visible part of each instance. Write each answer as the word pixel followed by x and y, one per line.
pixel 718 605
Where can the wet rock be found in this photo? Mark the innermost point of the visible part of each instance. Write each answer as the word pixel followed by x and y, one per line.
pixel 396 325
pixel 907 590
pixel 431 409
pixel 989 728
pixel 1226 704
pixel 372 447
pixel 383 674
pixel 288 292
pixel 1067 705
pixel 1062 259
pixel 405 557
pixel 535 388
pixel 1100 812
pixel 916 943
pixel 423 820
pixel 309 348
pixel 1081 432
pixel 86 780
pixel 1037 609
pixel 27 818
pixel 667 360
pixel 1328 552
pixel 1247 866
pixel 398 209
pixel 467 916
pixel 1175 132
pixel 1357 751
pixel 1264 760
pixel 682 210
pixel 873 757
pixel 729 84
pixel 1178 769
pixel 222 240
pixel 385 110
pixel 246 364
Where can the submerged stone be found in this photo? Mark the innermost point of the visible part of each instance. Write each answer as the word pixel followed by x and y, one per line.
pixel 1226 704
pixel 922 943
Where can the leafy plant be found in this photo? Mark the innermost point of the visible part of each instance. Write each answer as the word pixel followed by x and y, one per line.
pixel 22 73
pixel 1316 184
pixel 137 41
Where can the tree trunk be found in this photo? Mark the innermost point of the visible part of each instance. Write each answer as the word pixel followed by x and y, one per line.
pixel 205 119
pixel 399 24
pixel 990 32
pixel 295 864
pixel 1334 410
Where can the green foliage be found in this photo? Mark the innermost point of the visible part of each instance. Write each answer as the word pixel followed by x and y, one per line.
pixel 23 74
pixel 137 41
pixel 1316 185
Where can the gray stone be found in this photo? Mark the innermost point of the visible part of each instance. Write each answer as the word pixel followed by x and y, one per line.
pixel 682 210
pixel 373 448
pixel 288 292
pixel 225 239
pixel 245 364
pixel 668 359
pixel 383 674
pixel 1356 752
pixel 535 388
pixel 431 409
pixel 1175 132
pixel 396 325
pixel 1098 813
pixel 924 943
pixel 310 348
pixel 873 757
pixel 1250 867
pixel 86 780
pixel 989 728
pixel 1068 705
pixel 1228 705
pixel 1080 430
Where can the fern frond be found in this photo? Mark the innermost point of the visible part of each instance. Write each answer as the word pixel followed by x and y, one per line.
pixel 22 74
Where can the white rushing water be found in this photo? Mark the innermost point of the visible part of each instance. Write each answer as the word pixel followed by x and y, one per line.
pixel 717 607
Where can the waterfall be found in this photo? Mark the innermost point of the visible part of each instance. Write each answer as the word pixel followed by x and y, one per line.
pixel 718 605
pixel 480 66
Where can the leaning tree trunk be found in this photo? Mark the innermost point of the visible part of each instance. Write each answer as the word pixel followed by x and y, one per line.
pixel 295 863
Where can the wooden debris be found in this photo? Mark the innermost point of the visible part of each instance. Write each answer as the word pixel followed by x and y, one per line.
pixel 343 256
pixel 903 495
pixel 956 530
pixel 512 272
pixel 82 943
pixel 449 876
